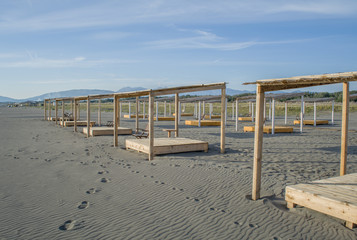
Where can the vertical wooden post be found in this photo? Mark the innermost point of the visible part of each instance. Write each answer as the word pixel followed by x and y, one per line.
pixel 314 114
pixel 137 115
pixel 56 111
pixel 169 108
pixel 250 108
pixel 210 110
pixel 72 108
pixel 144 109
pixel 129 110
pixel 232 110
pixel 121 109
pixel 119 105
pixel 286 113
pixel 302 114
pixel 88 117
pixel 273 118
pixel 62 113
pixel 258 144
pixel 115 120
pixel 264 111
pixel 223 119
pixel 203 108
pixel 225 111
pixel 99 112
pixel 344 128
pixel 252 111
pixel 179 111
pixel 199 114
pixel 75 116
pixel 151 127
pixel 79 110
pixel 176 115
pixel 165 109
pixel 157 111
pixel 237 112
pixel 49 110
pixel 195 110
pixel 45 109
pixel 333 112
pixel 270 109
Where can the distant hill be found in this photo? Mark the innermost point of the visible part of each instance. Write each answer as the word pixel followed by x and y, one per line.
pixel 86 92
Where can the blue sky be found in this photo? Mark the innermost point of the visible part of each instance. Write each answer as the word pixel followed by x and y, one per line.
pixel 48 46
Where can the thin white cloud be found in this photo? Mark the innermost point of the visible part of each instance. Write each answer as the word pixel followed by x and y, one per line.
pixel 69 15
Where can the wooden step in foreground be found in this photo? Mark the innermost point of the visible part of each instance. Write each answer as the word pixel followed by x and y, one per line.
pixel 268 129
pixel 335 196
pixel 311 122
pixel 102 131
pixel 167 145
pixel 203 123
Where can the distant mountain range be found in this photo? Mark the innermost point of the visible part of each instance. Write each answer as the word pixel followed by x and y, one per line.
pixel 86 92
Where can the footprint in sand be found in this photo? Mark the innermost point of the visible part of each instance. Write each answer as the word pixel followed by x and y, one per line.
pixel 83 205
pixel 103 172
pixel 105 180
pixel 92 191
pixel 68 225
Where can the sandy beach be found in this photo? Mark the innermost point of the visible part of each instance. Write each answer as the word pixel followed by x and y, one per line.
pixel 57 184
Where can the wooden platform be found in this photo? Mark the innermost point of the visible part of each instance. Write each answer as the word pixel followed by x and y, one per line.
pixel 102 131
pixel 184 114
pixel 134 116
pixel 79 123
pixel 213 116
pixel 203 123
pixel 60 119
pixel 245 119
pixel 268 129
pixel 165 119
pixel 167 145
pixel 335 196
pixel 311 122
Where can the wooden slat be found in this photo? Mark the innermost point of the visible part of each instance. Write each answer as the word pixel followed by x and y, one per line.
pixel 344 128
pixel 311 122
pixel 203 123
pixel 268 129
pixel 104 131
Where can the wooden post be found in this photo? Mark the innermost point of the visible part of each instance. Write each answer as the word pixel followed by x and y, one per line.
pixel 270 109
pixel 79 110
pixel 195 111
pixel 250 108
pixel 129 110
pixel 258 144
pixel 165 109
pixel 151 127
pixel 157 111
pixel 179 111
pixel 232 110
pixel 225 111
pixel 72 107
pixel 115 120
pixel 56 110
pixel 286 113
pixel 169 109
pixel 237 111
pixel 203 108
pixel 49 110
pixel 223 118
pixel 121 109
pixel 252 111
pixel 210 110
pixel 333 112
pixel 273 118
pixel 176 115
pixel 302 114
pixel 199 114
pixel 45 109
pixel 88 117
pixel 344 127
pixel 314 114
pixel 144 110
pixel 62 113
pixel 119 105
pixel 75 116
pixel 137 115
pixel 264 111
pixel 99 112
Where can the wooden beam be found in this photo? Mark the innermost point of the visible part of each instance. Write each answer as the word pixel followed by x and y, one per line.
pixel 88 117
pixel 187 89
pixel 151 127
pixel 344 128
pixel 115 120
pixel 258 144
pixel 176 115
pixel 223 119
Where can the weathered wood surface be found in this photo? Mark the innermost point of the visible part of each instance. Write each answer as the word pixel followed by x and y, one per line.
pixel 134 116
pixel 79 123
pixel 165 119
pixel 203 123
pixel 102 131
pixel 167 145
pixel 212 116
pixel 311 122
pixel 245 119
pixel 268 129
pixel 184 114
pixel 335 196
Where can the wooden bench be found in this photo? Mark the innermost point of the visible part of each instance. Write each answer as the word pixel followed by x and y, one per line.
pixel 169 131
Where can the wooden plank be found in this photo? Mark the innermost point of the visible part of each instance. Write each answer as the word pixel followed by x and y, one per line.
pixel 78 123
pixel 344 128
pixel 268 129
pixel 184 114
pixel 258 144
pixel 134 116
pixel 245 119
pixel 203 123
pixel 164 119
pixel 311 122
pixel 105 131
pixel 167 145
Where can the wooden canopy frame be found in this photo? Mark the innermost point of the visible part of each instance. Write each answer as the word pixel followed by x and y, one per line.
pixel 291 83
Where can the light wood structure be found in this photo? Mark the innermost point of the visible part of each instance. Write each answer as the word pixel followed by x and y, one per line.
pixel 166 145
pixel 202 123
pixel 134 116
pixel 269 129
pixel 311 122
pixel 103 131
pixel 335 196
pixel 291 83
pixel 246 119
pixel 164 118
pixel 78 123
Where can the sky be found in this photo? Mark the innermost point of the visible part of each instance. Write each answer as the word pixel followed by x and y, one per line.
pixel 49 46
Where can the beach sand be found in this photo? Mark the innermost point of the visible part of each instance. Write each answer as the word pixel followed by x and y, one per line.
pixel 57 184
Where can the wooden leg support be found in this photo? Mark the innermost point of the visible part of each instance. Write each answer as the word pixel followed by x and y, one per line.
pixel 291 205
pixel 350 225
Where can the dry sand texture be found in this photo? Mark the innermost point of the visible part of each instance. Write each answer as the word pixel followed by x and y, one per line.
pixel 56 184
